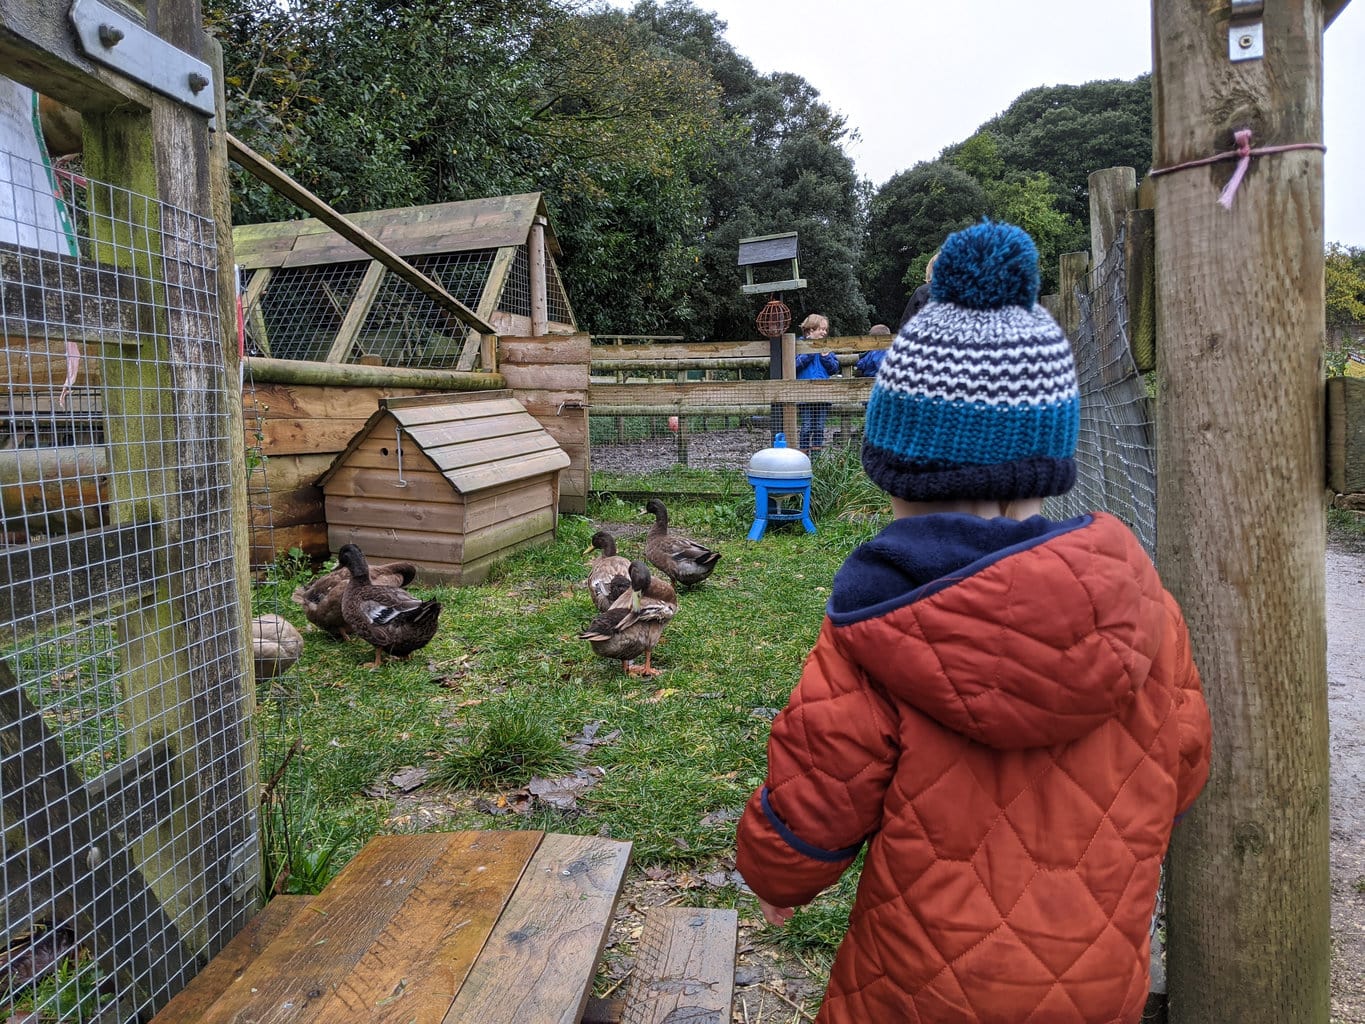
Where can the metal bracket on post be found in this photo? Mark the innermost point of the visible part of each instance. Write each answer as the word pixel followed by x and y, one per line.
pixel 117 41
pixel 1246 37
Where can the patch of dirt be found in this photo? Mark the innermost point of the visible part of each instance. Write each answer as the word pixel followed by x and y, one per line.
pixel 1346 715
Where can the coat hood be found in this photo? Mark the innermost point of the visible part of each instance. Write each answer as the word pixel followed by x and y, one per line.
pixel 1013 634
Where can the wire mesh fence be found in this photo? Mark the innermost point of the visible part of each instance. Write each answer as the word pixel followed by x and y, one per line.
pixel 129 846
pixel 1116 449
pixel 718 415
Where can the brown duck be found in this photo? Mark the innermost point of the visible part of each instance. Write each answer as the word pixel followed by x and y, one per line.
pixel 388 618
pixel 684 561
pixel 321 599
pixel 606 567
pixel 632 626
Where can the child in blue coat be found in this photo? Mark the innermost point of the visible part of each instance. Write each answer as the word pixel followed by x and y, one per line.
pixel 813 366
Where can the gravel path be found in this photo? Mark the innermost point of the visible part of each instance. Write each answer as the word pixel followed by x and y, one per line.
pixel 1346 713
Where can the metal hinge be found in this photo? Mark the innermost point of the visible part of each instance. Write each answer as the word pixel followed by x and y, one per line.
pixel 119 42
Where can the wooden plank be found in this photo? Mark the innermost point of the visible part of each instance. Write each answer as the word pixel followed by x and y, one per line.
pixel 267 172
pixel 546 377
pixel 537 966
pixel 684 967
pixel 392 544
pixel 286 436
pixel 476 478
pixel 501 535
pixel 232 960
pixel 91 301
pixel 545 350
pixel 498 505
pixel 508 450
pixel 289 508
pixel 412 970
pixel 292 472
pixel 459 431
pixel 721 393
pixel 1346 434
pixel 351 510
pixel 319 965
pixel 489 223
pixel 356 313
pixel 374 483
pixel 310 538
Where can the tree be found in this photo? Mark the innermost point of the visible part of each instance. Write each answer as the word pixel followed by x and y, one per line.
pixel 908 219
pixel 443 100
pixel 781 168
pixel 1344 275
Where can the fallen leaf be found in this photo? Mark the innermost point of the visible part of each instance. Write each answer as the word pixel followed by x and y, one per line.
pixel 564 791
pixel 656 873
pixel 408 779
pixel 659 695
pixel 721 816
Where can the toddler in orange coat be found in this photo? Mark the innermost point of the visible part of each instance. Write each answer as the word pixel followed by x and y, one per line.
pixel 1001 707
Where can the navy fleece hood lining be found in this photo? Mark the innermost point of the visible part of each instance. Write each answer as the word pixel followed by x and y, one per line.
pixel 919 556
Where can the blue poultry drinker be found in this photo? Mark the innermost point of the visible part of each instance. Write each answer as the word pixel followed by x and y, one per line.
pixel 780 476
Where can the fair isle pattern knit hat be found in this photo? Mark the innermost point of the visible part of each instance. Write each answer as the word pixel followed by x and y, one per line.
pixel 977 396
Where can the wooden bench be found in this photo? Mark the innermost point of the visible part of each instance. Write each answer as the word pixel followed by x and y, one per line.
pixel 465 928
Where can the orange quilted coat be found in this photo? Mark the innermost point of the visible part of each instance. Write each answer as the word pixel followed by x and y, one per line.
pixel 1013 736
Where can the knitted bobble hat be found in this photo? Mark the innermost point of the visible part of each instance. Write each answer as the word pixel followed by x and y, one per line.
pixel 977 396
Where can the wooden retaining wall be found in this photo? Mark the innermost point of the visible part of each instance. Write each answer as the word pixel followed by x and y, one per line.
pixel 549 376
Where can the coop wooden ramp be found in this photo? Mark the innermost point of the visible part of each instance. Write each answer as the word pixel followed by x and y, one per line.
pixel 428 929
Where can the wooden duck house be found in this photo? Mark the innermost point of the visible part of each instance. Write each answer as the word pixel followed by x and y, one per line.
pixel 450 482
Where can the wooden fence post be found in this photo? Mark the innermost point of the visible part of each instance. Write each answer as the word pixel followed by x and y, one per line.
pixel 789 425
pixel 1241 529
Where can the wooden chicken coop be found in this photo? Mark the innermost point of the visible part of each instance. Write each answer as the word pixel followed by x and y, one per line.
pixel 312 295
pixel 449 482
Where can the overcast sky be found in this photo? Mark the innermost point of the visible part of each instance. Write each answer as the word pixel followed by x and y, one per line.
pixel 913 78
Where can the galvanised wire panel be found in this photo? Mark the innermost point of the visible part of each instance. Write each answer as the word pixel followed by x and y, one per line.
pixel 1116 450
pixel 516 289
pixel 302 309
pixel 406 328
pixel 127 776
pixel 556 298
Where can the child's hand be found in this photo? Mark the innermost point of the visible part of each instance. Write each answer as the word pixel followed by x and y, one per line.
pixel 775 916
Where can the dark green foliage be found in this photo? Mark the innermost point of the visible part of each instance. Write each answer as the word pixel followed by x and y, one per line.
pixel 908 219
pixel 1029 165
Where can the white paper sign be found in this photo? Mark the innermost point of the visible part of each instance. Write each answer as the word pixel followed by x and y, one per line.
pixel 32 213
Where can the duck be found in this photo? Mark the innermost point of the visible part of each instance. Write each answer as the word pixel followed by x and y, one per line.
pixel 683 561
pixel 608 567
pixel 388 618
pixel 632 626
pixel 275 645
pixel 321 599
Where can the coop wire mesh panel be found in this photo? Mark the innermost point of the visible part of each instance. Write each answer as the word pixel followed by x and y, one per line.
pixel 303 311
pixel 127 855
pixel 1116 448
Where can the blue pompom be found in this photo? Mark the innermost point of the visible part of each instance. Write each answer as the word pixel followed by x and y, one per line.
pixel 987 266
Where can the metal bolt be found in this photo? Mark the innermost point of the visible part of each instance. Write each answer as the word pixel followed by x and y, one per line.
pixel 1245 40
pixel 197 82
pixel 110 36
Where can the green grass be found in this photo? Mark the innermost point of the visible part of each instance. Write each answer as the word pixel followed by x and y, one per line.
pixel 492 700
pixel 1347 528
